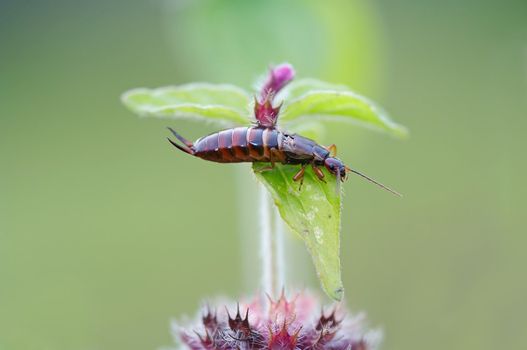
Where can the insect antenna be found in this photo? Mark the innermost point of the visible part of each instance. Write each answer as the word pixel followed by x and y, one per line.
pixel 374 181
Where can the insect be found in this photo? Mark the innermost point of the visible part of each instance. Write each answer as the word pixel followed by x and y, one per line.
pixel 263 142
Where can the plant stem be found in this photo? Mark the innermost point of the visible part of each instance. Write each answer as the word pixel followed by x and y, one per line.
pixel 271 245
pixel 279 239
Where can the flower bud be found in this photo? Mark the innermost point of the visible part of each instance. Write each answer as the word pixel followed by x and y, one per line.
pixel 278 77
pixel 265 113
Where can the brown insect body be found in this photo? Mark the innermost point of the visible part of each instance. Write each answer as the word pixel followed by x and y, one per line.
pixel 270 145
pixel 263 144
pixel 243 144
pixel 258 144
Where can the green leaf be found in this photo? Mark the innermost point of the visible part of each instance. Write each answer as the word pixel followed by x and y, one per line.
pixel 342 106
pixel 314 214
pixel 312 129
pixel 226 104
pixel 298 88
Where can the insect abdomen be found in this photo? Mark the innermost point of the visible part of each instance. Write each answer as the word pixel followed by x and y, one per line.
pixel 244 144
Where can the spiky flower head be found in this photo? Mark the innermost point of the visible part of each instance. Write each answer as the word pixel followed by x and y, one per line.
pixel 283 324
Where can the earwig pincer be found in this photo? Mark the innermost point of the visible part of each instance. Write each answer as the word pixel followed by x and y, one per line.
pixel 265 143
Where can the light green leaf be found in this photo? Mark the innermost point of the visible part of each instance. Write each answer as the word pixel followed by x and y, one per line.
pixel 314 214
pixel 312 129
pixel 298 88
pixel 226 104
pixel 342 106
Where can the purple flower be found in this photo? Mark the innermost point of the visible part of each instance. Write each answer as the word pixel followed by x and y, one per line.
pixel 265 113
pixel 278 77
pixel 285 324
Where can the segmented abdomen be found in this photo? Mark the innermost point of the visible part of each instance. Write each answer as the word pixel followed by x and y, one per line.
pixel 244 144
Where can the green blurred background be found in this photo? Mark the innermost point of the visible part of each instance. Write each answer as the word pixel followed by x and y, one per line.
pixel 106 233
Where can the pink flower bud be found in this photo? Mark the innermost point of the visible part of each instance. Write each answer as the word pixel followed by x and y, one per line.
pixel 264 112
pixel 278 77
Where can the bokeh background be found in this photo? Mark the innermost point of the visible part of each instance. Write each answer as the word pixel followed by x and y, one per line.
pixel 106 233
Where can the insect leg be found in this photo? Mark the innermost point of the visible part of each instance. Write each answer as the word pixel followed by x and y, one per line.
pixel 269 167
pixel 273 151
pixel 318 172
pixel 300 176
pixel 332 149
pixel 265 168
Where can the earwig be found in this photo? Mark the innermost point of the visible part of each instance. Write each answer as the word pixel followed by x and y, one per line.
pixel 267 144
